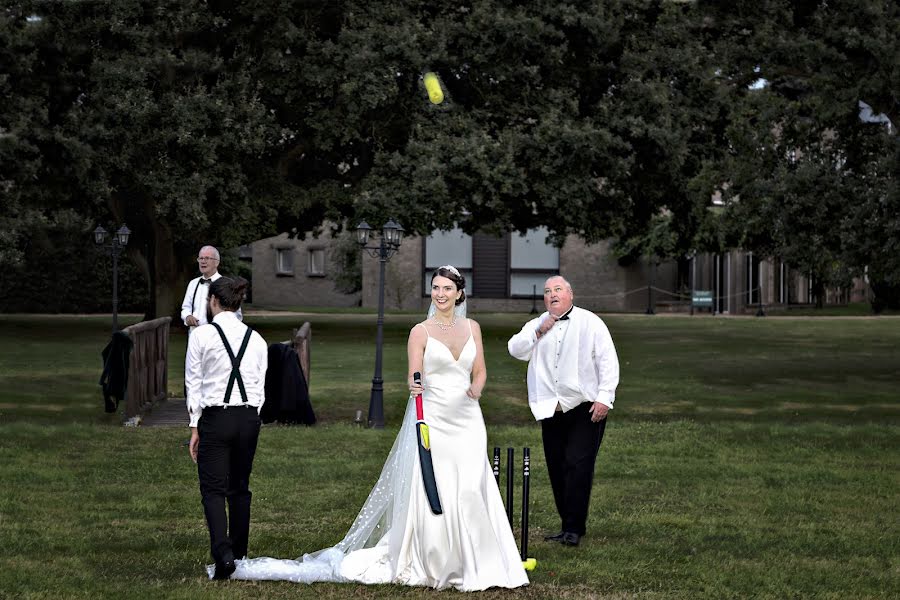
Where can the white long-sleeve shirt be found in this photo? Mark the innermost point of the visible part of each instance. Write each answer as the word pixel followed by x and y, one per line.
pixel 207 367
pixel 574 362
pixel 195 298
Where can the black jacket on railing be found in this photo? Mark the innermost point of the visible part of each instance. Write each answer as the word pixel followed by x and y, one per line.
pixel 287 393
pixel 114 378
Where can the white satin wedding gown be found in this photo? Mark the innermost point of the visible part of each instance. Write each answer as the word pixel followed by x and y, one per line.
pixel 396 538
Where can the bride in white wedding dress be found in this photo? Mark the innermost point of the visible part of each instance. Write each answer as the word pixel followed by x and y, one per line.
pixel 396 538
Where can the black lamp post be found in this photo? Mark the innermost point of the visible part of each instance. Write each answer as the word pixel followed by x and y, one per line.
pixel 651 269
pixel 114 248
pixel 391 238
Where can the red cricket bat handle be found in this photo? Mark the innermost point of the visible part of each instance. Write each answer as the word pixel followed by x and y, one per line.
pixel 420 416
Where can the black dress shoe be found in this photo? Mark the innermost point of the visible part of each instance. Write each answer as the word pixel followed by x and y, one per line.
pixel 570 539
pixel 557 537
pixel 224 569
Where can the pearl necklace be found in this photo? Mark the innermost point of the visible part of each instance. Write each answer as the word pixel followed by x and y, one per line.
pixel 444 326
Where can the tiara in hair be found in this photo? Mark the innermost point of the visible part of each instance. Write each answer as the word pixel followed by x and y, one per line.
pixel 452 269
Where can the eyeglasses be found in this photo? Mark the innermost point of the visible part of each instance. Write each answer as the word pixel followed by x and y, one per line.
pixel 205 258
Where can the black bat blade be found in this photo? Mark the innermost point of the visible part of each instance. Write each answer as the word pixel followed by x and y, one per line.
pixel 427 465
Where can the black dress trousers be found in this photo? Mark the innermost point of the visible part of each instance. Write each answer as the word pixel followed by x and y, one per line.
pixel 228 439
pixel 571 442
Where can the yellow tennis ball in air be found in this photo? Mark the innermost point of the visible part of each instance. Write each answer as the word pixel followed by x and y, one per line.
pixel 433 87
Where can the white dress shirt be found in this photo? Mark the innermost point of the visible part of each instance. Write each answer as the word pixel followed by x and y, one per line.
pixel 207 366
pixel 199 294
pixel 574 362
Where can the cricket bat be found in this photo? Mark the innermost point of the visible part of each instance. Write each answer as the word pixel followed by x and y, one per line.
pixel 425 462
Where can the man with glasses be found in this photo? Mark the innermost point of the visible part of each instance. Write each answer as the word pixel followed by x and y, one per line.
pixel 194 306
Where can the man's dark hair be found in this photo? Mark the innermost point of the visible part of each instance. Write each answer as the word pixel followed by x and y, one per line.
pixel 229 291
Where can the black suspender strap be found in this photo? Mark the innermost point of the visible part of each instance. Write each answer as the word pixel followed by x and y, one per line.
pixel 194 297
pixel 235 364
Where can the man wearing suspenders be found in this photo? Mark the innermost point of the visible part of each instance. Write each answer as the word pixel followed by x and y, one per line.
pixel 225 373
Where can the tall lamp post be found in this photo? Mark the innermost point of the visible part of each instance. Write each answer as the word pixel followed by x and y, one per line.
pixel 651 269
pixel 391 238
pixel 113 248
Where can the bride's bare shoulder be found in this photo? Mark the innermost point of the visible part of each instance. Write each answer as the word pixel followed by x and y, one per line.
pixel 419 330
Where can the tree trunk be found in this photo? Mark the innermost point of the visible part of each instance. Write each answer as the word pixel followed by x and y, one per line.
pixel 139 257
pixel 169 276
pixel 166 262
pixel 884 296
pixel 819 292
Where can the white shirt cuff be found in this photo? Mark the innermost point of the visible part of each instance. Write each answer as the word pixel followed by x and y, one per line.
pixel 606 398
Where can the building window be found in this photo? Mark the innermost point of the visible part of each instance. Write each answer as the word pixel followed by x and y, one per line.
pixel 532 261
pixel 510 266
pixel 491 269
pixel 316 262
pixel 448 248
pixel 753 290
pixel 284 261
pixel 780 291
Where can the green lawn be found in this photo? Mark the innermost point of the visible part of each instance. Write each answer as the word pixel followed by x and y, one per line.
pixel 745 458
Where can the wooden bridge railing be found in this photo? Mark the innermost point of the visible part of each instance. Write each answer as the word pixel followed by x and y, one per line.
pixel 147 366
pixel 300 342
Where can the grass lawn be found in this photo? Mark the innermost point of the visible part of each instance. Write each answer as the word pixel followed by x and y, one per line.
pixel 745 458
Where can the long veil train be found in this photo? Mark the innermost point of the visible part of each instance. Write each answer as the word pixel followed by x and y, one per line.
pixel 387 504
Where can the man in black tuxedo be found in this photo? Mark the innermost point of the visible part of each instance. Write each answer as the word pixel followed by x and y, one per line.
pixel 573 372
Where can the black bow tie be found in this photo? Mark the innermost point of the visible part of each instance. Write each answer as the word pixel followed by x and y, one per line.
pixel 565 318
pixel 205 281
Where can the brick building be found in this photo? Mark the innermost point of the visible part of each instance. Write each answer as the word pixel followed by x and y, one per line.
pixel 506 274
pixel 295 273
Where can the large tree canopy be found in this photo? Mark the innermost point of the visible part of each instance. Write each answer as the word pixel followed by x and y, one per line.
pixel 129 110
pixel 222 122
pixel 809 177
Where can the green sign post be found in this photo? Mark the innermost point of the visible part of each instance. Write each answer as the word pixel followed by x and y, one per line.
pixel 701 299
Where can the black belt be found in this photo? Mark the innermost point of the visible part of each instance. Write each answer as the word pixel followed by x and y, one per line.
pixel 231 406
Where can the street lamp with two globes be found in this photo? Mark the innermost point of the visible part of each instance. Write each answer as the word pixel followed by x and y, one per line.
pixel 113 248
pixel 388 245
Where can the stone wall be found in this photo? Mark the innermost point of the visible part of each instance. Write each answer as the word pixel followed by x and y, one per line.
pixel 595 275
pixel 300 288
pixel 599 282
pixel 402 277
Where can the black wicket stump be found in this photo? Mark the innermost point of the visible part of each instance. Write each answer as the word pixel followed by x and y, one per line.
pixel 510 456
pixel 526 480
pixel 528 563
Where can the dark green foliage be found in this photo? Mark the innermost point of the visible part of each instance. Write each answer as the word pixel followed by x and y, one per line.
pixel 805 180
pixel 344 251
pixel 62 271
pixel 218 122
pixel 132 110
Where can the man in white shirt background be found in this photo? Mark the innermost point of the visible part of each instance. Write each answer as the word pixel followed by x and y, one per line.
pixel 223 404
pixel 194 305
pixel 573 372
